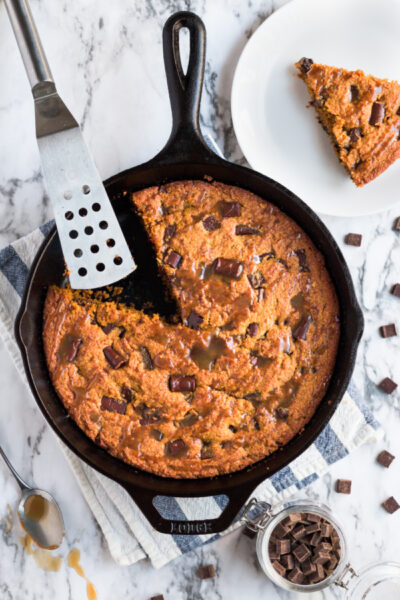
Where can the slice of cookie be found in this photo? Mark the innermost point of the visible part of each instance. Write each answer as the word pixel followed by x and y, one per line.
pixel 361 115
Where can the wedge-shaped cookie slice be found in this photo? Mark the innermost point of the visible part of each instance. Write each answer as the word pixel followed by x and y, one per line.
pixel 361 115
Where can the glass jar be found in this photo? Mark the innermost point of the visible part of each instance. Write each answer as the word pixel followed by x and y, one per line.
pixel 379 581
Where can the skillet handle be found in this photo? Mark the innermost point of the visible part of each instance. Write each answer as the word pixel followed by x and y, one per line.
pixel 144 500
pixel 186 141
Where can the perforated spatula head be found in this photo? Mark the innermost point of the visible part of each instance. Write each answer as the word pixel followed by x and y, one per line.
pixel 94 248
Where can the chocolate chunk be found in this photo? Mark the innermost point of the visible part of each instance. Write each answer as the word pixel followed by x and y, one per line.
pixel 146 357
pixel 267 256
pixel 391 505
pixel 108 328
pixel 211 223
pixel 343 486
pixel 127 393
pixel 252 329
pixel 206 572
pixel 321 558
pixel 114 358
pixel 280 530
pixel 326 530
pixel 246 230
pixel 256 280
pixel 396 224
pixel 283 546
pixel 385 459
pixel 206 451
pixel 313 528
pixel 324 547
pixel 176 448
pixel 353 239
pixel 148 415
pixel 279 568
pixel 354 93
pixel 388 330
pixel 308 567
pixel 313 518
pixel 354 134
pixel 250 534
pixel 230 209
pixel 173 259
pixel 305 64
pixel 282 413
pixel 190 419
pixel 228 267
pixel 72 349
pixel 194 320
pixel 387 385
pixel 156 434
pixel 288 561
pixel 296 576
pixel 377 113
pixel 273 554
pixel 301 553
pixel 182 383
pixel 158 597
pixel 301 255
pixel 299 532
pixel 396 290
pixel 169 232
pixel 315 539
pixel 112 405
pixel 300 331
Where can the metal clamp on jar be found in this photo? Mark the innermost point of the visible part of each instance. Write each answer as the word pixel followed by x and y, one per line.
pixel 302 547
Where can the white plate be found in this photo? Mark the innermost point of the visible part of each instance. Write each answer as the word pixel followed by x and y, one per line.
pixel 278 135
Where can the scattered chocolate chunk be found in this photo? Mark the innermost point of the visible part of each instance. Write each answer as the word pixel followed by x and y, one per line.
pixel 112 405
pixel 127 393
pixel 283 546
pixel 230 209
pixel 158 597
pixel 301 553
pixel 256 280
pixel 246 230
pixel 391 505
pixel 114 358
pixel 354 93
pixel 72 348
pixel 156 434
pixel 387 385
pixel 354 134
pixel 169 232
pixel 377 113
pixel 300 331
pixel 182 383
pixel 396 224
pixel 278 566
pixel 296 576
pixel 396 290
pixel 194 320
pixel 176 448
pixel 108 328
pixel 211 223
pixel 343 486
pixel 173 259
pixel 353 239
pixel 301 255
pixel 385 459
pixel 252 329
pixel 206 572
pixel 388 330
pixel 305 64
pixel 282 413
pixel 146 357
pixel 228 267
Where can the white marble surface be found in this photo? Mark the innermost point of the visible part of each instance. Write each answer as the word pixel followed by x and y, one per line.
pixel 107 60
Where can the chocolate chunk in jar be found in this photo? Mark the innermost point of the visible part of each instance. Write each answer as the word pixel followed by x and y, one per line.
pixel 301 330
pixel 377 113
pixel 194 320
pixel 283 546
pixel 246 230
pixel 173 259
pixel 113 405
pixel 169 232
pixel 182 383
pixel 301 553
pixel 387 385
pixel 305 64
pixel 146 357
pixel 252 329
pixel 256 280
pixel 211 223
pixel 176 448
pixel 296 576
pixel 230 209
pixel 228 267
pixel 278 566
pixel 114 358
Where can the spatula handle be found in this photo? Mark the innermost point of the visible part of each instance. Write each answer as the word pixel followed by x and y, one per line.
pixel 28 40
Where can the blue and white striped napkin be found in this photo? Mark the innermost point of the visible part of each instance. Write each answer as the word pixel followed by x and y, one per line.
pixel 129 536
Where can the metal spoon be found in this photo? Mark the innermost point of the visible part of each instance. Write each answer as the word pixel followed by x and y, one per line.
pixel 38 512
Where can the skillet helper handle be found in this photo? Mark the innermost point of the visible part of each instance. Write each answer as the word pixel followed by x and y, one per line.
pixel 144 500
pixel 184 88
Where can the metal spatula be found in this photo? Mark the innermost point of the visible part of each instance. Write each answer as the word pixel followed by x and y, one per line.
pixel 93 244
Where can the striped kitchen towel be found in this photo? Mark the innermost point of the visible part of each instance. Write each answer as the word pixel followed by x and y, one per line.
pixel 129 536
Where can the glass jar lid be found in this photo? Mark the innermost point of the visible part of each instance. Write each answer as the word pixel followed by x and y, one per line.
pixel 378 581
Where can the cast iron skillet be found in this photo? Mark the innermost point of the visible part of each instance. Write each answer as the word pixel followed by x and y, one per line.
pixel 185 156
